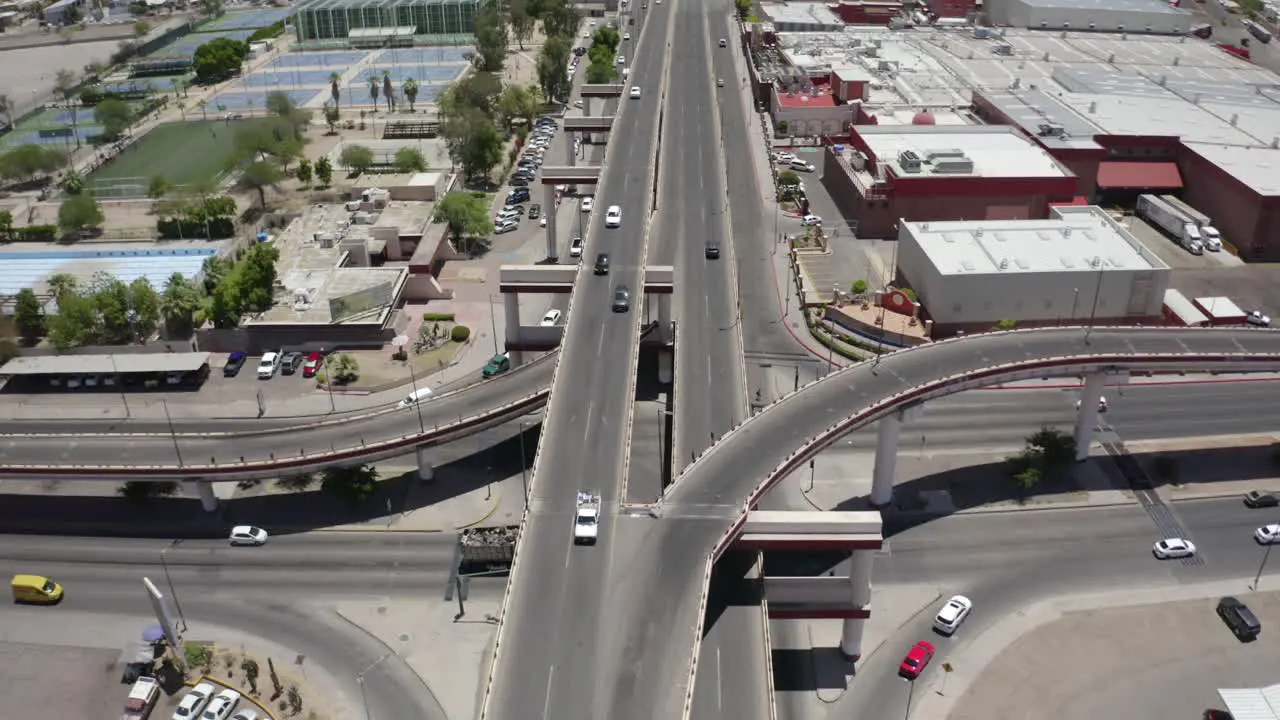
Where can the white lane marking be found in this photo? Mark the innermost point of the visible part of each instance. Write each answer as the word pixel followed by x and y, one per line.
pixel 546 704
pixel 719 683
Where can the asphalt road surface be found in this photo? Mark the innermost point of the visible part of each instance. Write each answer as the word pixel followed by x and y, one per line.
pixel 1005 562
pixel 549 665
pixel 273 592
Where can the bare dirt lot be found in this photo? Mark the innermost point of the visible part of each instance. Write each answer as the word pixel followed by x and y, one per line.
pixel 58 682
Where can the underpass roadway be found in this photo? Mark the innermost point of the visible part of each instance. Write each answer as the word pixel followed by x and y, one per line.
pixel 555 655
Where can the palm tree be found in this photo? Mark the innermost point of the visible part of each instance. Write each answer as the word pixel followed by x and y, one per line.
pixel 374 88
pixel 179 303
pixel 333 87
pixel 201 104
pixel 410 89
pixel 387 90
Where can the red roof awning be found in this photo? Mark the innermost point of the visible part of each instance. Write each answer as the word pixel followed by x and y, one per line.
pixel 1139 176
pixel 1075 201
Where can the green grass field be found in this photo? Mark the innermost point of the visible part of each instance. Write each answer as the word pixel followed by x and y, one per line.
pixel 184 153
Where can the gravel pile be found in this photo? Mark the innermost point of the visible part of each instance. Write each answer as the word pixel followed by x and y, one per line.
pixel 488 537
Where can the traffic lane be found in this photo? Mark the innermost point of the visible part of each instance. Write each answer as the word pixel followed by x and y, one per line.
pixel 196 449
pixel 753 246
pixel 730 682
pixel 731 471
pixel 553 623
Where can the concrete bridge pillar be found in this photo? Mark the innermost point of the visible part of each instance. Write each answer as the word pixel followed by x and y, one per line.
pixel 571 157
pixel 664 317
pixel 888 431
pixel 208 500
pixel 549 208
pixel 511 304
pixel 517 358
pixel 1087 414
pixel 426 471
pixel 860 564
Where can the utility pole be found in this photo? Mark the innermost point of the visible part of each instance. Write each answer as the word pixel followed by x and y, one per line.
pixel 173 434
pixel 1258 578
pixel 120 384
pixel 493 324
pixel 173 593
pixel 413 377
pixel 1096 293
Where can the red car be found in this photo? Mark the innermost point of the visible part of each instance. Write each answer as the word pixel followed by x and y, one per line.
pixel 312 365
pixel 916 661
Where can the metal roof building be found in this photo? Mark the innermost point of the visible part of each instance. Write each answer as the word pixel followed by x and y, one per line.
pixel 396 21
pixel 132 363
pixel 1252 703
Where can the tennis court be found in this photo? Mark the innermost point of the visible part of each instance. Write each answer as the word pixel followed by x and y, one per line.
pixel 287 79
pixel 250 100
pixel 185 47
pixel 247 20
pixel 340 60
pixel 184 153
pixel 425 55
pixel 357 94
pixel 430 74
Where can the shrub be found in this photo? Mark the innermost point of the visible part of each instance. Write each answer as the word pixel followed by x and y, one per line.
pixel 460 333
pixel 185 228
pixel 34 233
pixel 437 317
pixel 859 287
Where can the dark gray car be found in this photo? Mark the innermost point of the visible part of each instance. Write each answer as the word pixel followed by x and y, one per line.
pixel 621 299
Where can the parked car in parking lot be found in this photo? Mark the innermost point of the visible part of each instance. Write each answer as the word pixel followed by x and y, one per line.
pixel 235 361
pixel 312 366
pixel 194 701
pixel 221 705
pixel 290 362
pixel 505 226
pixel 1243 623
pixel 268 365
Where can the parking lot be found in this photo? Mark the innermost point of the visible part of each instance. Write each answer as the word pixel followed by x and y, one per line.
pixel 1152 661
pixel 1173 254
pixel 59 682
pixel 1252 287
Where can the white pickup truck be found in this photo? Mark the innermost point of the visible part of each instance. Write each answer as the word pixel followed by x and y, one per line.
pixel 586 521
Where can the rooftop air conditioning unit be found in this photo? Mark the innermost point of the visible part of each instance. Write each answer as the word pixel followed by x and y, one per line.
pixel 953 166
pixel 910 161
pixel 1005 49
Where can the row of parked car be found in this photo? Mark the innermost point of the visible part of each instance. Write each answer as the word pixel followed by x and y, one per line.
pixel 206 702
pixel 536 146
pixel 285 363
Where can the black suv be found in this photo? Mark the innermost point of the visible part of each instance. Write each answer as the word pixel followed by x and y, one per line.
pixel 602 263
pixel 518 195
pixel 1239 618
pixel 713 251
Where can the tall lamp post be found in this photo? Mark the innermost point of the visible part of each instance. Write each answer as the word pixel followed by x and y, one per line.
pixel 173 593
pixel 493 324
pixel 173 434
pixel 413 377
pixel 1097 291
pixel 1261 566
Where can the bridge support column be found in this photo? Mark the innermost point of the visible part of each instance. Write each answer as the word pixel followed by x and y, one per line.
pixel 517 358
pixel 1087 415
pixel 664 318
pixel 511 306
pixel 887 433
pixel 426 471
pixel 549 207
pixel 860 578
pixel 571 157
pixel 208 501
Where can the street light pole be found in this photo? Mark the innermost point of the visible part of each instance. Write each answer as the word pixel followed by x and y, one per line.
pixel 173 593
pixel 173 434
pixel 1096 293
pixel 1258 578
pixel 413 377
pixel 120 384
pixel 493 325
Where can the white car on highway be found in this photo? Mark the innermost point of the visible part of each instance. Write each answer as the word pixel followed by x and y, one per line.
pixel 552 317
pixel 415 397
pixel 1172 548
pixel 948 619
pixel 194 701
pixel 1267 534
pixel 588 202
pixel 635 91
pixel 808 220
pixel 613 218
pixel 248 535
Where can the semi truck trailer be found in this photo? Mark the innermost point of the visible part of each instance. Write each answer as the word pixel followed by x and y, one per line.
pixel 1178 226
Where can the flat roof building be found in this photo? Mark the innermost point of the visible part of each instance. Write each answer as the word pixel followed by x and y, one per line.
pixel 970 275
pixel 885 174
pixel 363 21
pixel 1135 16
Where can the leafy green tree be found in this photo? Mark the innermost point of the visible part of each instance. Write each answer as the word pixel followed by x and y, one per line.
pixel 491 36
pixel 6 226
pixel 73 183
pixel 223 305
pixel 110 297
pixel 344 368
pixel 219 59
pixel 357 158
pixel 1005 325
pixel 79 212
pixel 158 187
pixel 520 102
pixel 178 305
pixel 28 315
pixel 324 172
pixel 522 15
pixel 62 284
pixel 25 162
pixel 559 18
pixel 466 214
pixel 410 159
pixel 76 322
pixel 480 91
pixel 332 117
pixel 213 271
pixel 259 177
pixel 553 67
pixel 115 116
pixel 743 7
pixel 352 484
pixel 304 171
pixel 256 276
pixel 788 178
pixel 410 88
pixel 144 307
